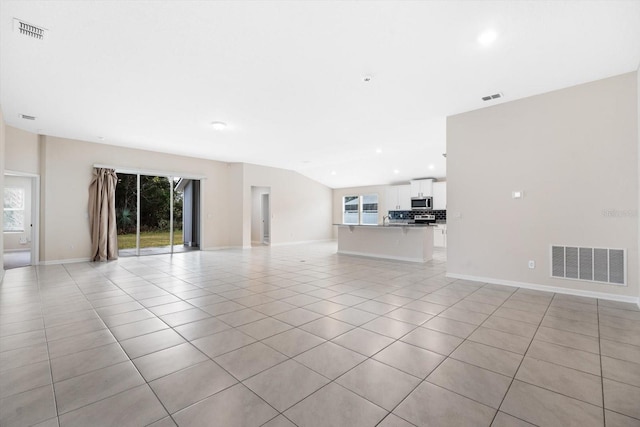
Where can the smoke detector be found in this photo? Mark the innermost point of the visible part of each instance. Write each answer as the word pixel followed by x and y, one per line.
pixel 29 30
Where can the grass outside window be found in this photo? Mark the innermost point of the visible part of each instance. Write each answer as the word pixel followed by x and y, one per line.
pixel 149 239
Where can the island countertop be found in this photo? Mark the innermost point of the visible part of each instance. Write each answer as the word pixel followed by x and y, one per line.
pixel 386 225
pixel 402 242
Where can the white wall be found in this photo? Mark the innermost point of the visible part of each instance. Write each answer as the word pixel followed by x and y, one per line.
pixel 638 132
pixel 21 151
pixel 67 171
pixel 12 239
pixel 300 207
pixel 574 153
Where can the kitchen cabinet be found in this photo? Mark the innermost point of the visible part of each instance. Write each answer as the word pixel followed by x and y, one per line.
pixel 421 187
pixel 440 236
pixel 440 195
pixel 398 198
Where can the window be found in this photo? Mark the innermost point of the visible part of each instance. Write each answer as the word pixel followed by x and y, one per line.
pixel 13 209
pixel 360 209
pixel 370 209
pixel 351 210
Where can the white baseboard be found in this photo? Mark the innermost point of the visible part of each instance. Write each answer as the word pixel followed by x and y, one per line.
pixel 27 249
pixel 393 258
pixel 301 242
pixel 546 288
pixel 220 248
pixel 65 261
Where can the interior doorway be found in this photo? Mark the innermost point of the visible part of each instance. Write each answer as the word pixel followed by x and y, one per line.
pixel 266 224
pixel 260 216
pixel 21 211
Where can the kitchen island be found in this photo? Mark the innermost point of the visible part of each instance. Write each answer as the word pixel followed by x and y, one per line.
pixel 402 242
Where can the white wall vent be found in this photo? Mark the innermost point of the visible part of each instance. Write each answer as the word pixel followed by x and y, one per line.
pixel 590 264
pixel 29 30
pixel 27 117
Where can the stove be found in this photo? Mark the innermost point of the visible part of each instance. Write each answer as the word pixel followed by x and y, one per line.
pixel 425 219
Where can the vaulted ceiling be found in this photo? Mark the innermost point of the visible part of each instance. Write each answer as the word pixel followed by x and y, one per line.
pixel 348 93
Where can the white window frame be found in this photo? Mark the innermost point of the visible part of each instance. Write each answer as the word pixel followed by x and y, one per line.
pixel 14 209
pixel 360 210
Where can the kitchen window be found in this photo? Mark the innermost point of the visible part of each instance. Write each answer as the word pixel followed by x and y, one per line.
pixel 13 209
pixel 351 210
pixel 360 209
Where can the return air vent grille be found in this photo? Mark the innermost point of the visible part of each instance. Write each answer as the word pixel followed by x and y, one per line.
pixel 492 97
pixel 29 30
pixel 590 264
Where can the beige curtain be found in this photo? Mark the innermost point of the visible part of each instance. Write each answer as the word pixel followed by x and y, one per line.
pixel 102 215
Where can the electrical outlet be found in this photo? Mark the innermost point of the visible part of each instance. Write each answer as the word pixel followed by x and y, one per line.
pixel 532 264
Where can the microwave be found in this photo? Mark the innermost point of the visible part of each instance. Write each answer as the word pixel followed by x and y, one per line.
pixel 421 203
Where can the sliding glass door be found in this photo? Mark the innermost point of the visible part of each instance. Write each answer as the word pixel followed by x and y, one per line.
pixel 149 212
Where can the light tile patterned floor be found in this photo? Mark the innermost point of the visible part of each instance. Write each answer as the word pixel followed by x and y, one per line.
pixel 298 335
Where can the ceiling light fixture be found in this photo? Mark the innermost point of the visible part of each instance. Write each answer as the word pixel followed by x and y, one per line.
pixel 431 167
pixel 487 37
pixel 396 171
pixel 378 150
pixel 333 172
pixel 219 125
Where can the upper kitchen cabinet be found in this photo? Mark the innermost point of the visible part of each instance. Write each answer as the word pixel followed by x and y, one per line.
pixel 440 195
pixel 398 198
pixel 422 188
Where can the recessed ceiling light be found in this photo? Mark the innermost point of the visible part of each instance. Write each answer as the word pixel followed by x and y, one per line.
pixel 219 125
pixel 333 172
pixel 396 171
pixel 487 37
pixel 378 150
pixel 431 167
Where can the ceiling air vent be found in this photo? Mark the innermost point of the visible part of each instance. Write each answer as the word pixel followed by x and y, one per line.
pixel 26 117
pixel 29 30
pixel 492 97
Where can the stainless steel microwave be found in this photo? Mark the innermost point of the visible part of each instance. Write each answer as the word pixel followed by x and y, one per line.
pixel 421 203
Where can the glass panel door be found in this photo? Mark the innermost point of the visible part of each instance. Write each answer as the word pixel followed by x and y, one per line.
pixel 155 215
pixel 127 214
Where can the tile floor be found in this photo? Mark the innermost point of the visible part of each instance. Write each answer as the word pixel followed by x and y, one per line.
pixel 300 336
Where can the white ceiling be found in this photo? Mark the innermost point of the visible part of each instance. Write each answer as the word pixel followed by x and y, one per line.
pixel 287 76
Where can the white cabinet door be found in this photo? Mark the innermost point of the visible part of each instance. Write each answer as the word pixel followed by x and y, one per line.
pixel 390 199
pixel 397 198
pixel 422 188
pixel 404 197
pixel 440 236
pixel 439 195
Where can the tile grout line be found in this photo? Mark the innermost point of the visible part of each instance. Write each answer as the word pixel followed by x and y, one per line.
pixel 604 411
pixel 522 360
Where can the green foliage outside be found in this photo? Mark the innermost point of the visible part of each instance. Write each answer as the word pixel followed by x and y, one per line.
pixel 155 206
pixel 149 239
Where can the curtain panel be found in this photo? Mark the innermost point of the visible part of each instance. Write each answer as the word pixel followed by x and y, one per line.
pixel 102 215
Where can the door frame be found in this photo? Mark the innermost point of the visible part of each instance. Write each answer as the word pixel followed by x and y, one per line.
pixel 35 211
pixel 264 196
